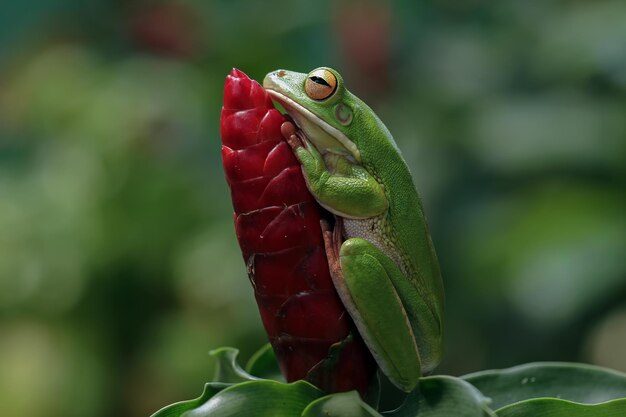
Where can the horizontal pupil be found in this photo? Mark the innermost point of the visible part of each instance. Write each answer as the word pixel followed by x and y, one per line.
pixel 319 80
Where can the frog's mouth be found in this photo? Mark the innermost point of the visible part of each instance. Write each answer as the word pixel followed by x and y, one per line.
pixel 326 138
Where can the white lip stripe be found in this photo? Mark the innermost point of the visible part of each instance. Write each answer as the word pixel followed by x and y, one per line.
pixel 334 132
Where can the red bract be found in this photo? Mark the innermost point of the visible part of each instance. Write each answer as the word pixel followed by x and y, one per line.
pixel 277 222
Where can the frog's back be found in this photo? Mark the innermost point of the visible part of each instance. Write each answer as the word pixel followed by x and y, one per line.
pixel 404 226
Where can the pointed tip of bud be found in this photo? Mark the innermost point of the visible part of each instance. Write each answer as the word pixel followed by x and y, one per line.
pixel 237 73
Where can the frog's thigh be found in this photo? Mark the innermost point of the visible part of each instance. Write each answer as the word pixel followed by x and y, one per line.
pixel 370 297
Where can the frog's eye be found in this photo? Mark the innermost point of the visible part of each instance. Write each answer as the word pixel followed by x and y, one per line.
pixel 320 84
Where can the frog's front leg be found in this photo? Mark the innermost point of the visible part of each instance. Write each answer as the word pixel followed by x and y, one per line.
pixel 339 185
pixel 365 286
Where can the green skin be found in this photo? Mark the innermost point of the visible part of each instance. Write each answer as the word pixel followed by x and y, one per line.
pixel 389 278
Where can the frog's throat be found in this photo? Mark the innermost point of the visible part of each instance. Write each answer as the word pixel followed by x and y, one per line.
pixel 297 112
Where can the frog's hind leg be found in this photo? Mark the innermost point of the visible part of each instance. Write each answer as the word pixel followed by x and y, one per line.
pixel 366 289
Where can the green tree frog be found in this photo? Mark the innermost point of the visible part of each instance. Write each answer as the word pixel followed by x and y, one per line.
pixel 380 253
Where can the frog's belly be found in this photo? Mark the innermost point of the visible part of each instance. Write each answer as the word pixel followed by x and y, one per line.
pixel 371 229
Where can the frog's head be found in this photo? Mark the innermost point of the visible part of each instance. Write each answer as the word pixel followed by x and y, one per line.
pixel 330 116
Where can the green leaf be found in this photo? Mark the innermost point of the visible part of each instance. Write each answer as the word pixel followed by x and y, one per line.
pixel 228 370
pixel 263 364
pixel 345 404
pixel 256 399
pixel 443 396
pixel 553 407
pixel 177 409
pixel 577 390
pixel 579 383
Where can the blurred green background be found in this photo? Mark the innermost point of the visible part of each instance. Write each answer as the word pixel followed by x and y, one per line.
pixel 119 268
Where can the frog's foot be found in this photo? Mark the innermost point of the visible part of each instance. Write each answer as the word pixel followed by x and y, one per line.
pixel 332 243
pixel 294 136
